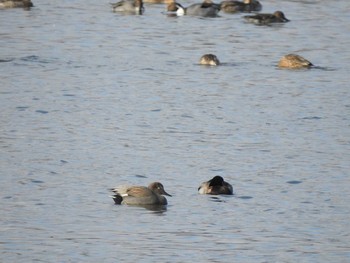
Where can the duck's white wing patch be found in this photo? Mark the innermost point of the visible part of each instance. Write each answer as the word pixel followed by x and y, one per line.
pixel 121 190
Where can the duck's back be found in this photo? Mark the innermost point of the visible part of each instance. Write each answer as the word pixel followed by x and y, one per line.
pixel 202 10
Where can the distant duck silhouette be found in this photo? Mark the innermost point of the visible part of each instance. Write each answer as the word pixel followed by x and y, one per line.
pixel 205 9
pixel 16 3
pixel 216 186
pixel 293 61
pixel 129 7
pixel 265 19
pixel 209 59
pixel 232 6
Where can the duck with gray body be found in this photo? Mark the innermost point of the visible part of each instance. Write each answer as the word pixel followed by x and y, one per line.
pixel 140 195
pixel 129 7
pixel 232 6
pixel 205 9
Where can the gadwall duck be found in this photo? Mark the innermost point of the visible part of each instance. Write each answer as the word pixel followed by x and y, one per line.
pixel 293 61
pixel 205 9
pixel 216 186
pixel 140 195
pixel 232 6
pixel 265 19
pixel 209 59
pixel 129 6
pixel 16 3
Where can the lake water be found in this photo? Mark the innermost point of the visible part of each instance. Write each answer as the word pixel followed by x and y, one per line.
pixel 91 99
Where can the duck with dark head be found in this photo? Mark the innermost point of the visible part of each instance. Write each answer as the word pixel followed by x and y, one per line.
pixel 216 186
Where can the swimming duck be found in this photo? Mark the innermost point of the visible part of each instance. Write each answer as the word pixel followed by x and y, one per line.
pixel 129 6
pixel 140 195
pixel 232 6
pixel 16 3
pixel 209 59
pixel 216 186
pixel 205 9
pixel 264 19
pixel 293 61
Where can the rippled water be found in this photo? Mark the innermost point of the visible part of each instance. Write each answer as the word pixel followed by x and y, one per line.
pixel 91 99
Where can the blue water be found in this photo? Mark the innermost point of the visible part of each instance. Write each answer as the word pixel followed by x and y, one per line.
pixel 91 99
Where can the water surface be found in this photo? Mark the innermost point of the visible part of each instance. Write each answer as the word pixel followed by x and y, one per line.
pixel 91 99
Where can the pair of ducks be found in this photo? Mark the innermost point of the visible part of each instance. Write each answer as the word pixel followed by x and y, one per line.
pixel 210 9
pixel 290 61
pixel 232 6
pixel 154 193
pixel 16 4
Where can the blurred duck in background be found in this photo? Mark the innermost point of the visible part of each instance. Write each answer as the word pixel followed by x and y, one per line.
pixel 16 3
pixel 231 6
pixel 265 19
pixel 205 9
pixel 129 7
